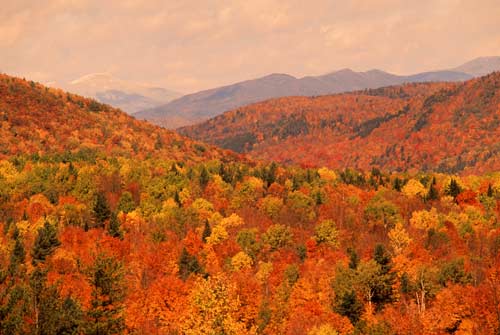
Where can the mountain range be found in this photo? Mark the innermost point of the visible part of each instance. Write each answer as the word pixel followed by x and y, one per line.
pixel 200 106
pixel 127 95
pixel 446 127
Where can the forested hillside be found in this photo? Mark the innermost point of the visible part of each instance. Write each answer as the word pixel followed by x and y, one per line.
pixel 37 120
pixel 101 236
pixel 435 126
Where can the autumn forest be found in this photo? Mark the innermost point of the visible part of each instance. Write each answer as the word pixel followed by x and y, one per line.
pixel 110 225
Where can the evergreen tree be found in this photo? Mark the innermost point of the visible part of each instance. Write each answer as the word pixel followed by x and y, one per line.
pixel 204 177
pixel 269 175
pixel 432 194
pixel 114 229
pixel 105 315
pixel 382 257
pixel 52 315
pixel 71 317
pixel 101 210
pixel 45 243
pixel 398 184
pixel 453 189
pixel 206 232
pixel 349 306
pixel 18 254
pixel 383 291
pixel 353 258
pixel 225 174
pixel 188 264
pixel 489 193
pixel 177 199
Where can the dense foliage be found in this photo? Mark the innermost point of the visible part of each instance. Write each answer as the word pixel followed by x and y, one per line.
pixel 158 246
pixel 183 239
pixel 414 127
pixel 35 120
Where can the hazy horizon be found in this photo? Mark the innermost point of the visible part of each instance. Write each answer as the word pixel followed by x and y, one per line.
pixel 190 47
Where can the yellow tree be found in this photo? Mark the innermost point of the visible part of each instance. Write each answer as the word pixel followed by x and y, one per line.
pixel 214 309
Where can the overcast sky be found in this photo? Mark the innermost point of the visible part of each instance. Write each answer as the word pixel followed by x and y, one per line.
pixel 192 45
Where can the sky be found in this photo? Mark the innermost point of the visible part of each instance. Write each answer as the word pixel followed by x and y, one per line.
pixel 193 45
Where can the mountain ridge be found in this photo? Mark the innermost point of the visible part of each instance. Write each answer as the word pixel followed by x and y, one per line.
pixel 445 127
pixel 200 106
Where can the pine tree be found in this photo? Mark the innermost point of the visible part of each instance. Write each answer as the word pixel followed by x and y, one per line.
pixel 204 177
pixel 188 264
pixel 353 258
pixel 101 210
pixel 453 189
pixel 383 291
pixel 71 317
pixel 398 184
pixel 349 306
pixel 51 314
pixel 18 254
pixel 45 243
pixel 432 194
pixel 114 229
pixel 489 193
pixel 105 315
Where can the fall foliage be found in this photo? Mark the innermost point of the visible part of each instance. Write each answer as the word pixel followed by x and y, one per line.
pixel 444 127
pixel 176 239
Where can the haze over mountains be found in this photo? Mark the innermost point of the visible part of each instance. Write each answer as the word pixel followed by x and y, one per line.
pixel 200 106
pixel 126 95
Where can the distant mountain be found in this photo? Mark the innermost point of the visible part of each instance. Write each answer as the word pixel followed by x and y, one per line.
pixel 200 106
pixel 126 95
pixel 480 66
pixel 447 127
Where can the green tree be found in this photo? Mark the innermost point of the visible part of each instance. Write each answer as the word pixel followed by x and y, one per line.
pixel 432 194
pixel 349 306
pixel 52 315
pixel 105 314
pixel 188 264
pixel 126 203
pixel 353 258
pixel 247 241
pixel 383 292
pixel 453 189
pixel 18 254
pixel 45 243
pixel 101 210
pixel 490 193
pixel 397 184
pixel 114 228
pixel 71 317
pixel 277 236
pixel 204 177
pixel 346 302
pixel 326 232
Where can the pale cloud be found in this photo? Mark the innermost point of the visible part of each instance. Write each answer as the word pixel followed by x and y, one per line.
pixel 191 45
